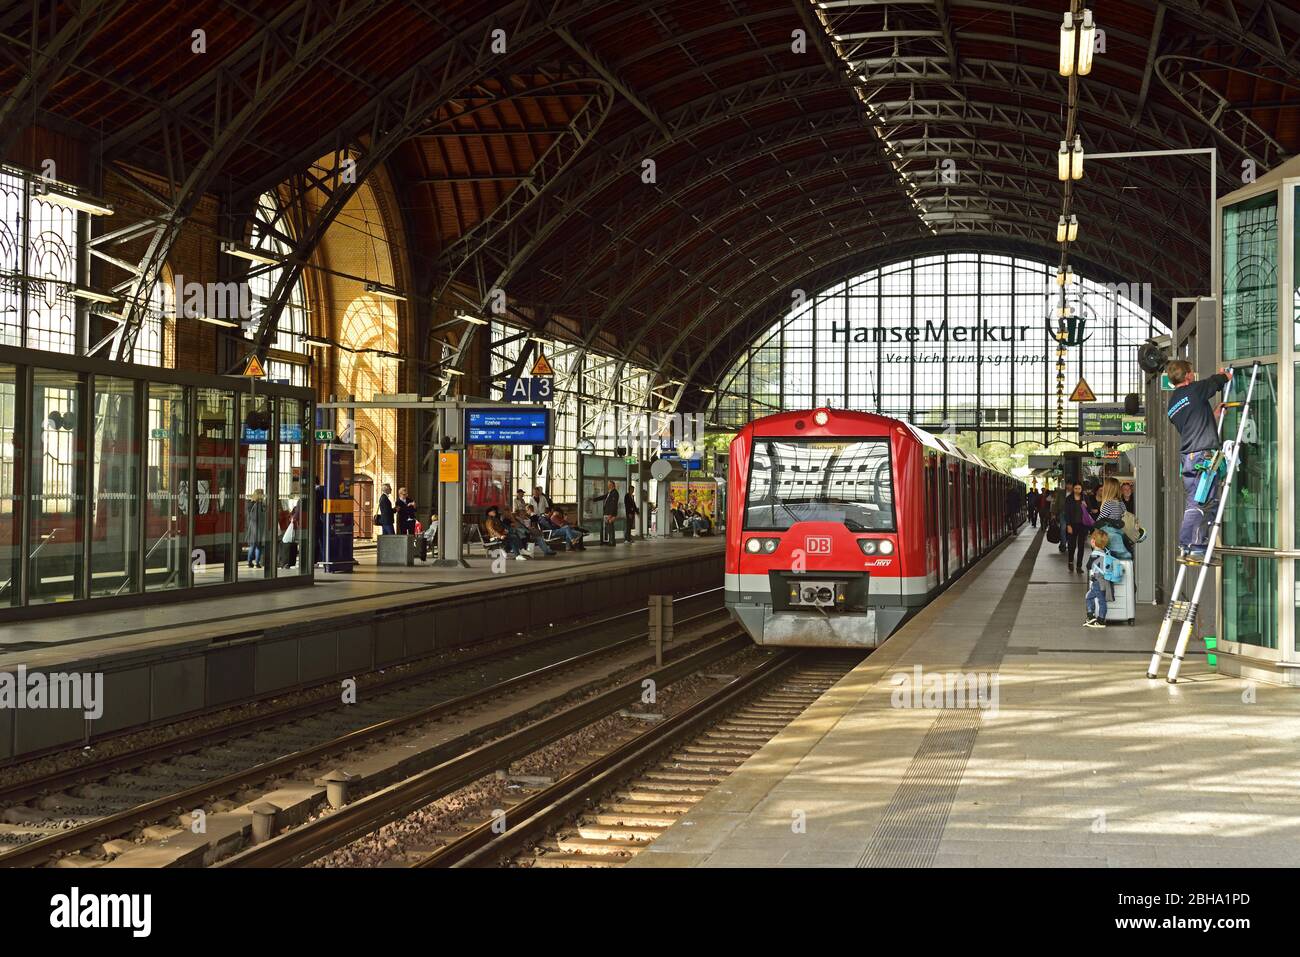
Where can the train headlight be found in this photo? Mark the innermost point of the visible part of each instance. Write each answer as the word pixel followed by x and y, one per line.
pixel 769 546
pixel 886 547
pixel 754 546
pixel 868 546
pixel 821 416
pixel 765 545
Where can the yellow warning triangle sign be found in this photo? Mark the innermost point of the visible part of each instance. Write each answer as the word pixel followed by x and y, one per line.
pixel 1083 392
pixel 542 366
pixel 253 367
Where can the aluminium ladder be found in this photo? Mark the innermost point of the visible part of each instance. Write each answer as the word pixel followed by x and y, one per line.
pixel 1185 611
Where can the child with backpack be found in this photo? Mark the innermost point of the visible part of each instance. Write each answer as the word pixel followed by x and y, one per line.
pixel 1103 568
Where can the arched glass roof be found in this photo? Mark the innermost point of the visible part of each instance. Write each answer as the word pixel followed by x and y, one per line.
pixel 959 342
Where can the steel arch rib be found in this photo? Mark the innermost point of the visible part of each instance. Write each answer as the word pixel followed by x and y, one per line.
pixel 711 274
pixel 317 43
pixel 766 267
pixel 561 153
pixel 402 109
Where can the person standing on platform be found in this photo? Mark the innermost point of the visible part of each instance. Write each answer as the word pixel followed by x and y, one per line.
pixel 318 524
pixel 1033 499
pixel 1190 412
pixel 1126 497
pixel 609 511
pixel 405 510
pixel 1078 523
pixel 542 503
pixel 255 528
pixel 384 517
pixel 630 513
pixel 292 534
pixel 1058 514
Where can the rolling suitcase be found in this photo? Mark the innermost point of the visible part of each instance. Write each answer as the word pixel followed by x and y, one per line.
pixel 1121 606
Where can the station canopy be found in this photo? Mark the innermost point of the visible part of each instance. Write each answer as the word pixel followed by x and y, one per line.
pixel 656 179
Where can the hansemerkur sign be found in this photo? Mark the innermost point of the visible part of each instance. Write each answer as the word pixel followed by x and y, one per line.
pixel 932 331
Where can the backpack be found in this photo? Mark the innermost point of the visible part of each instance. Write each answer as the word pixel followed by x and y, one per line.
pixel 1054 533
pixel 1112 569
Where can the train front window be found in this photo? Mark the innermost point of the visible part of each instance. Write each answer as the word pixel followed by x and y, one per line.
pixel 805 480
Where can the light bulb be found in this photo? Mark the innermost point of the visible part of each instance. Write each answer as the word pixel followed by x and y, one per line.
pixel 1061 230
pixel 1067 45
pixel 1073 233
pixel 1063 162
pixel 1087 40
pixel 1076 159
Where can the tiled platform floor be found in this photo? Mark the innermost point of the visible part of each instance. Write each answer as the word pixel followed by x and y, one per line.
pixel 1086 762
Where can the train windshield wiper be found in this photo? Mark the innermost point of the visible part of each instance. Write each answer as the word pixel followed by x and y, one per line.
pixel 855 527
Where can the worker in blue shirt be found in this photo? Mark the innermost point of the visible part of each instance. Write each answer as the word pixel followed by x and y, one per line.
pixel 1192 416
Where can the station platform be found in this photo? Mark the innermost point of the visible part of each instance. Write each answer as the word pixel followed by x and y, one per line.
pixel 1084 762
pixel 164 661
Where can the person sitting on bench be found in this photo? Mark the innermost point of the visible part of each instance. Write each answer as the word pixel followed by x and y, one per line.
pixel 498 532
pixel 427 539
pixel 529 530
pixel 556 523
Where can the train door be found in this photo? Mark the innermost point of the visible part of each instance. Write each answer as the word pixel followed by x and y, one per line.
pixel 931 521
pixel 944 481
pixel 959 511
pixel 985 514
pixel 972 516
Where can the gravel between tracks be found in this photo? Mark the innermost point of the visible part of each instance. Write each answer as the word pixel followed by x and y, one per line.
pixel 437 822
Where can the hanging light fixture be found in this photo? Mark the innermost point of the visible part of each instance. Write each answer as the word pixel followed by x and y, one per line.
pixel 1087 40
pixel 1073 232
pixel 1076 159
pixel 1062 230
pixel 1067 44
pixel 1063 162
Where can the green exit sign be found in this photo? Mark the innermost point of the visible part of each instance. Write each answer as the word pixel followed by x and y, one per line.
pixel 1165 384
pixel 324 435
pixel 630 460
pixel 1133 425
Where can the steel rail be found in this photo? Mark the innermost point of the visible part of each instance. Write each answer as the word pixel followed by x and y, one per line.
pixel 25 790
pixel 38 851
pixel 332 831
pixel 537 814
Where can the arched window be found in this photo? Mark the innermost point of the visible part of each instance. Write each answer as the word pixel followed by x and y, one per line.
pixel 288 355
pixel 153 344
pixel 958 342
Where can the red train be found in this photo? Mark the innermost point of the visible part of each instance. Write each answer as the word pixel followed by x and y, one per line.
pixel 842 523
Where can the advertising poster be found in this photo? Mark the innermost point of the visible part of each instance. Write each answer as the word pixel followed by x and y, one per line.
pixel 701 496
pixel 489 478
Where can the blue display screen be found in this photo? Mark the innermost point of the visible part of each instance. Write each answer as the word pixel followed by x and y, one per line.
pixel 507 426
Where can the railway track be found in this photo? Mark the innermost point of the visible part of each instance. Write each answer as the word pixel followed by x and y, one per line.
pixel 609 809
pixel 357 820
pixel 128 795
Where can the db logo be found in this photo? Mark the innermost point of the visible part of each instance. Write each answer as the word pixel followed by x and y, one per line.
pixel 817 544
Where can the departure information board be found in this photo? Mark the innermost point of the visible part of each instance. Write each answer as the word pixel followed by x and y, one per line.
pixel 1098 418
pixel 517 426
